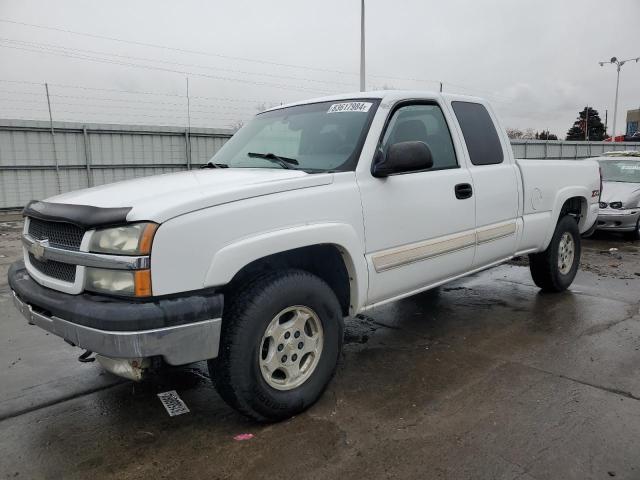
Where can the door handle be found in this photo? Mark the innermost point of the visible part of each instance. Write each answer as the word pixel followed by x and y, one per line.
pixel 463 190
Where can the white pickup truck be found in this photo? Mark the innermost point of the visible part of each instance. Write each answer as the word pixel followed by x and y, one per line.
pixel 310 213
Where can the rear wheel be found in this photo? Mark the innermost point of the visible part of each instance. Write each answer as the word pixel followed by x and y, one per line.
pixel 554 269
pixel 281 340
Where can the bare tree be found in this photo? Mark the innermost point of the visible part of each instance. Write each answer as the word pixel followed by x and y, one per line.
pixel 237 125
pixel 517 134
pixel 514 133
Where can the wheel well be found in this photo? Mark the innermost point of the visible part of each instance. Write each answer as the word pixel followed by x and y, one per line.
pixel 324 260
pixel 576 207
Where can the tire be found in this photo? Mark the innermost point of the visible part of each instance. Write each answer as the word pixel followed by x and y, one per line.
pixel 589 233
pixel 545 267
pixel 267 303
pixel 635 235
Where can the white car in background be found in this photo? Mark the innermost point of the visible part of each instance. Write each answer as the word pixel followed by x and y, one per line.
pixel 620 199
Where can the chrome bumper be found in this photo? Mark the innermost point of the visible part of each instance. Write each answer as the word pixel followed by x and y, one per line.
pixel 623 220
pixel 178 345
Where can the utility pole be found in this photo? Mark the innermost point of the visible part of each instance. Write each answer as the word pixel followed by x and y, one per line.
pixel 618 64
pixel 53 139
pixel 362 69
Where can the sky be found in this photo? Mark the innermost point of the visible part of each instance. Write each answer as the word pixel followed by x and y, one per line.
pixel 128 61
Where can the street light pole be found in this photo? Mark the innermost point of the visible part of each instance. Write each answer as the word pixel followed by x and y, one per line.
pixel 618 64
pixel 362 70
pixel 586 123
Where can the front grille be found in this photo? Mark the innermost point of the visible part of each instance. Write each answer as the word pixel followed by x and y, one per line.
pixel 59 234
pixel 62 271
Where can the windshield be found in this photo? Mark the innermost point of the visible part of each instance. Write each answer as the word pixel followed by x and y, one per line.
pixel 318 137
pixel 627 171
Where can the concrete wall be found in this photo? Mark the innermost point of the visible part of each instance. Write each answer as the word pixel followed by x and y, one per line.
pixel 35 164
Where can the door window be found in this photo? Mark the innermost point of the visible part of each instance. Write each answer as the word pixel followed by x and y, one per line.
pixel 423 123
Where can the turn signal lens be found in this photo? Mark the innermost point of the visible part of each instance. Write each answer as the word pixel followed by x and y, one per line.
pixel 146 239
pixel 143 283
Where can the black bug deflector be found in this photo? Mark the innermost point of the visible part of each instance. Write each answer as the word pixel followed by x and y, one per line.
pixel 85 216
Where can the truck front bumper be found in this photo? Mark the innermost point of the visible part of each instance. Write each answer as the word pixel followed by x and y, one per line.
pixel 618 220
pixel 181 330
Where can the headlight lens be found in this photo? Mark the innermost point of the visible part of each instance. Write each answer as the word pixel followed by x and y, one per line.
pixel 131 283
pixel 615 204
pixel 132 239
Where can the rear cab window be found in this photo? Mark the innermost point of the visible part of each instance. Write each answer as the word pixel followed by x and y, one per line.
pixel 479 133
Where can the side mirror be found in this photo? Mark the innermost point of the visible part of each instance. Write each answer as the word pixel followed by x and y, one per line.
pixel 403 157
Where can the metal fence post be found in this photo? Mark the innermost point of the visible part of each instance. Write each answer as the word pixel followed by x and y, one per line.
pixel 187 145
pixel 87 156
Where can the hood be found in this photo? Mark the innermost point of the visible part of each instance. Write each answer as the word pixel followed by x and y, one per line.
pixel 627 193
pixel 161 197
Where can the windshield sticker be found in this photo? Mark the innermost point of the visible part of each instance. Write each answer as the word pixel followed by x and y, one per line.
pixel 350 107
pixel 630 167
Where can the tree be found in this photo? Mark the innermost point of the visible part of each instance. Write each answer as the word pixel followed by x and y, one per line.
pixel 545 135
pixel 594 126
pixel 517 134
pixel 237 125
pixel 514 133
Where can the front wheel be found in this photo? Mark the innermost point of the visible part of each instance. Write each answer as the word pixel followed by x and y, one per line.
pixel 281 340
pixel 554 269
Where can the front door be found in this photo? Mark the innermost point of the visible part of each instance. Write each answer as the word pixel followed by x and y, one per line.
pixel 419 226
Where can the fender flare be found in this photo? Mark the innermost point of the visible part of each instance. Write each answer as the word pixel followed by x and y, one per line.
pixel 562 196
pixel 231 258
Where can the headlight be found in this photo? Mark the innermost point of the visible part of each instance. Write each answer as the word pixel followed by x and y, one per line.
pixel 617 205
pixel 131 283
pixel 132 239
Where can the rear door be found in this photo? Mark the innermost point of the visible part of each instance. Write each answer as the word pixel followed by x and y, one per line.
pixel 495 183
pixel 419 226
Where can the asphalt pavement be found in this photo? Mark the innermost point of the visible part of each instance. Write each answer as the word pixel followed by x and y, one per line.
pixel 484 378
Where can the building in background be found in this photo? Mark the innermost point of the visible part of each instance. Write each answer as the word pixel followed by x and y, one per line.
pixel 633 123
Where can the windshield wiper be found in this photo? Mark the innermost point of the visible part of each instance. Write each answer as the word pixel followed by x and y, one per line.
pixel 214 165
pixel 284 162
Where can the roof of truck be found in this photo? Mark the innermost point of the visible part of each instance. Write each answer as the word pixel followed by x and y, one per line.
pixel 388 95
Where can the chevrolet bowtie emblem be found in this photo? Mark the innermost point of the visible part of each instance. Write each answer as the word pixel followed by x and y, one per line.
pixel 38 247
